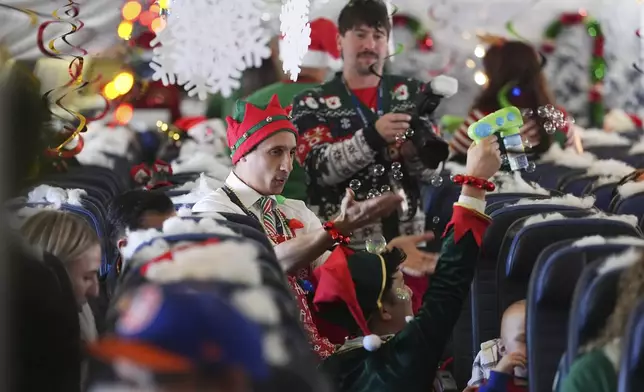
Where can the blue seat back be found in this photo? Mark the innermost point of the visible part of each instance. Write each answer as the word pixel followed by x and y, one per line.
pixel 631 373
pixel 513 274
pixel 550 294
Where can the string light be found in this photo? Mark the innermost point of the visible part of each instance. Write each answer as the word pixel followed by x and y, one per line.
pixel 110 92
pixel 470 63
pixel 123 114
pixel 123 82
pixel 480 78
pixel 125 30
pixel 479 51
pixel 131 10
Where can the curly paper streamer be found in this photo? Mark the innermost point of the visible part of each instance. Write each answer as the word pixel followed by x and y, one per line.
pixel 75 69
pixel 33 17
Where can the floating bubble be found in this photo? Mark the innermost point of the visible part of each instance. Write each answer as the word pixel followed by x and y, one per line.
pixel 451 177
pixel 549 127
pixel 505 160
pixel 376 244
pixel 570 120
pixel 436 220
pixel 396 166
pixel 542 111
pixel 527 143
pixel 398 175
pixel 409 133
pixel 385 188
pixel 527 113
pixel 550 109
pixel 377 170
pixel 436 181
pixel 400 138
pixel 558 115
pixel 373 193
pixel 531 167
pixel 355 184
pixel 559 123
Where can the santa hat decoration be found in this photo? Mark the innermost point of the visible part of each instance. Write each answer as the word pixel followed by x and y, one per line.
pixel 351 286
pixel 323 51
pixel 250 125
pixel 201 129
pixel 152 176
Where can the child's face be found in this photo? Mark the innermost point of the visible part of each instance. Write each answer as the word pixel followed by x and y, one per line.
pixel 513 330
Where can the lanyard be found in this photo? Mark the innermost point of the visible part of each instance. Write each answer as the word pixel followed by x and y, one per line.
pixel 233 197
pixel 357 104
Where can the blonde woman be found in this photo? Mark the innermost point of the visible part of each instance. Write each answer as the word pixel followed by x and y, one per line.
pixel 76 244
pixel 598 369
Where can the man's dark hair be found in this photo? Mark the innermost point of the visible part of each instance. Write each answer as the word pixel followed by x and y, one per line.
pixel 126 210
pixel 370 13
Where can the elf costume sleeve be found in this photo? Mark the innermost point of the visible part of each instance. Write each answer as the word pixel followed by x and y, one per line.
pixel 334 160
pixel 408 361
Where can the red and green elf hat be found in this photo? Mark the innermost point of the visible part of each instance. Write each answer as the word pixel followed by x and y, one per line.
pixel 251 124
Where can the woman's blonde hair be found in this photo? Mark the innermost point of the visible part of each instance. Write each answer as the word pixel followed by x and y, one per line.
pixel 65 235
pixel 629 292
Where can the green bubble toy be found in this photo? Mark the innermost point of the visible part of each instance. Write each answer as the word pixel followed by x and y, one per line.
pixel 507 123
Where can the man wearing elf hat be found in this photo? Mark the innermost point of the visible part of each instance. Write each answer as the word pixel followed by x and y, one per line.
pixel 323 55
pixel 263 142
pixel 366 294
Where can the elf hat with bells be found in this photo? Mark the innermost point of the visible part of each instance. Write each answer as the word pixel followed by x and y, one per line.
pixel 351 286
pixel 252 124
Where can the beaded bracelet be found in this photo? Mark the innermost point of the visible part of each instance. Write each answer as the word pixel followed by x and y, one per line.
pixel 474 181
pixel 338 238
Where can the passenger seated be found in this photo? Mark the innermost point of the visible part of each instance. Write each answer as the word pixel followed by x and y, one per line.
pixel 597 369
pixel 501 365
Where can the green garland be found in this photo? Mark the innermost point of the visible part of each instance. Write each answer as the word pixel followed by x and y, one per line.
pixel 597 62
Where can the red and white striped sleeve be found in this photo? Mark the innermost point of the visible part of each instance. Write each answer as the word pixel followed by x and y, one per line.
pixel 460 143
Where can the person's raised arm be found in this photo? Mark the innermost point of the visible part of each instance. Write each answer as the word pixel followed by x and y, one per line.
pixel 420 344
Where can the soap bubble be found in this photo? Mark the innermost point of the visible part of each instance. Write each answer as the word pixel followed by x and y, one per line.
pixel 527 143
pixel 570 120
pixel 400 138
pixel 373 193
pixel 531 167
pixel 355 184
pixel 550 109
pixel 377 170
pixel 396 166
pixel 436 220
pixel 527 113
pixel 409 133
pixel 376 244
pixel 385 188
pixel 549 127
pixel 436 181
pixel 542 111
pixel 451 177
pixel 398 175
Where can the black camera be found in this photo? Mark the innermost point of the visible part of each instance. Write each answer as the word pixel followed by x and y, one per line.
pixel 432 149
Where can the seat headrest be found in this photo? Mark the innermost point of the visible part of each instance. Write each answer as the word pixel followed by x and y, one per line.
pixel 532 239
pixel 560 265
pixel 632 361
pixel 505 217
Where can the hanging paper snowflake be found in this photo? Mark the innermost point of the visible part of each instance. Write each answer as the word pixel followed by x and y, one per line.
pixel 296 35
pixel 207 44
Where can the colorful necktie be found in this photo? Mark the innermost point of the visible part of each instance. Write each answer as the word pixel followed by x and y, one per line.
pixel 268 216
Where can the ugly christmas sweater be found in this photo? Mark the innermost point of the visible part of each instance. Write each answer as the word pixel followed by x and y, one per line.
pixel 295 187
pixel 340 148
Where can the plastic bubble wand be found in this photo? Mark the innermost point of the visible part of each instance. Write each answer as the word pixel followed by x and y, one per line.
pixel 507 123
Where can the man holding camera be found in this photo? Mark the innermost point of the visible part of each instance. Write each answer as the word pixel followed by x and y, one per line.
pixel 356 130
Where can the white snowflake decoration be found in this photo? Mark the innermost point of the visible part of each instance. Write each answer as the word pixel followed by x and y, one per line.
pixel 207 44
pixel 296 35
